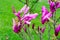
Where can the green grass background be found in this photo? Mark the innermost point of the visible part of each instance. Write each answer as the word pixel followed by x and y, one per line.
pixel 6 16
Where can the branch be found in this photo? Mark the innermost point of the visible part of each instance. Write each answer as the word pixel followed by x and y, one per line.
pixel 57 19
pixel 33 4
pixel 22 2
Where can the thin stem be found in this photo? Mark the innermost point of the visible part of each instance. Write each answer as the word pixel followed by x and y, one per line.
pixel 40 36
pixel 49 32
pixel 22 1
pixel 27 2
pixel 33 5
pixel 57 19
pixel 54 16
pixel 29 34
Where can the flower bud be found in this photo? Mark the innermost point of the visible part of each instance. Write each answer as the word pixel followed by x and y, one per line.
pixel 33 26
pixel 38 28
pixel 25 30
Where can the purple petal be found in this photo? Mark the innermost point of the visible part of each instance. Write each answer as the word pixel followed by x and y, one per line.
pixel 26 10
pixel 16 27
pixel 28 17
pixel 22 9
pixel 57 5
pixel 44 11
pixel 43 29
pixel 52 7
pixel 57 29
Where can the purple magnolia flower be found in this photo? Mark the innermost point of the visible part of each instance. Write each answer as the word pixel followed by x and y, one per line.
pixel 54 6
pixel 25 17
pixel 45 15
pixel 57 29
pixel 16 26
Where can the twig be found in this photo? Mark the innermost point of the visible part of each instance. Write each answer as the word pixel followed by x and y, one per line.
pixel 33 5
pixel 22 1
pixel 49 32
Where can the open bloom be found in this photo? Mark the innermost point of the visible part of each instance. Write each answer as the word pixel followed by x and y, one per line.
pixel 45 15
pixel 26 17
pixel 24 10
pixel 54 6
pixel 16 26
pixel 57 29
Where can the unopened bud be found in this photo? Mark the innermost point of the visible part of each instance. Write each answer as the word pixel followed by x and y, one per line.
pixel 25 30
pixel 33 26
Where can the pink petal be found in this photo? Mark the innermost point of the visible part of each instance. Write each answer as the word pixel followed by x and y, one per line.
pixel 44 11
pixel 27 22
pixel 43 29
pixel 57 29
pixel 14 23
pixel 26 10
pixel 45 18
pixel 22 9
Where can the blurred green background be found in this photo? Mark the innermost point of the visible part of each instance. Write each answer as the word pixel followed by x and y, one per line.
pixel 6 16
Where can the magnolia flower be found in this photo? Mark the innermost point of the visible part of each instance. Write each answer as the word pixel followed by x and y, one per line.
pixel 57 29
pixel 25 17
pixel 45 15
pixel 16 26
pixel 54 6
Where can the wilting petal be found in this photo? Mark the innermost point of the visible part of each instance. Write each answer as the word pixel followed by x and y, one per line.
pixel 57 29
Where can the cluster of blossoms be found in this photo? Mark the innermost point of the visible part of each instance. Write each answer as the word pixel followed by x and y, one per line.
pixel 22 20
pixel 47 15
pixel 26 18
